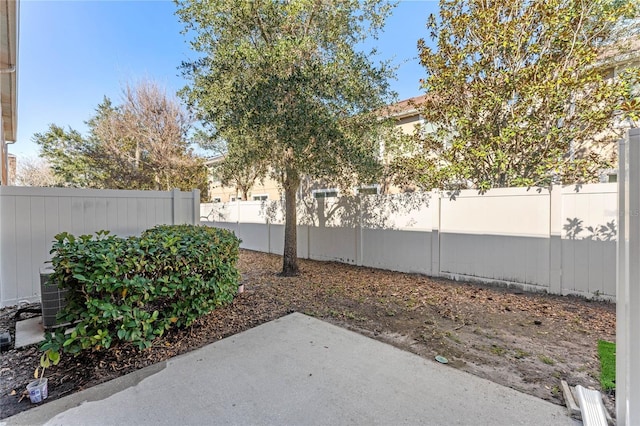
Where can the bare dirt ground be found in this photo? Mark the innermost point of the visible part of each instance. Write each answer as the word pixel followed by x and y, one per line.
pixel 528 342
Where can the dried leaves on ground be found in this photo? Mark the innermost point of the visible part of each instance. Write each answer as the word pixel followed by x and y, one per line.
pixel 528 342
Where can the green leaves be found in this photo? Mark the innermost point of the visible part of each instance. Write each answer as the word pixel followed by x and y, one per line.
pixel 67 153
pixel 283 84
pixel 134 289
pixel 519 95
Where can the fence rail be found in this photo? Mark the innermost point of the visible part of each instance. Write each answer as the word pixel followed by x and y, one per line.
pixel 562 241
pixel 31 217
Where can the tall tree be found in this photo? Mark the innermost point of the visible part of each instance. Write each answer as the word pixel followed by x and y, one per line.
pixel 143 142
pixel 518 92
pixel 139 144
pixel 35 172
pixel 289 78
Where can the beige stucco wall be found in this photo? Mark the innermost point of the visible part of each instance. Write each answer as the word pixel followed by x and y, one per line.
pixel 409 125
pixel 268 187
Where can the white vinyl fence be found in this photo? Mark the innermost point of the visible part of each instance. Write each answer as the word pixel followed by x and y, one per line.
pixel 31 217
pixel 561 241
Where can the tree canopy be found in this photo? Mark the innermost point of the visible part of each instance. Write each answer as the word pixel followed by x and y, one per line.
pixel 35 172
pixel 285 86
pixel 66 151
pixel 140 144
pixel 519 94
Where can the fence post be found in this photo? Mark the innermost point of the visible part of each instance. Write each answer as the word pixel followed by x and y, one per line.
pixel 196 207
pixel 555 239
pixel 628 290
pixel 359 245
pixel 435 232
pixel 175 211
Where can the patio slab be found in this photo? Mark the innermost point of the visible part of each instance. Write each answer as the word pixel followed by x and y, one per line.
pixel 29 331
pixel 303 371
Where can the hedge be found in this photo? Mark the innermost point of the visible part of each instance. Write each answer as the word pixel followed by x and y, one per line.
pixel 134 289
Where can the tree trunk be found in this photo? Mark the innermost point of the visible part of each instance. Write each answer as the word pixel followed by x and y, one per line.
pixel 245 193
pixel 290 255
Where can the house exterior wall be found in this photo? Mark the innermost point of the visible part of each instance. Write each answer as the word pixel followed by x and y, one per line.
pixel 268 187
pixel 408 125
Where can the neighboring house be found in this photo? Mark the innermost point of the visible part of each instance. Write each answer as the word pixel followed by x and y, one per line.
pixel 266 189
pixel 615 61
pixel 407 113
pixel 9 12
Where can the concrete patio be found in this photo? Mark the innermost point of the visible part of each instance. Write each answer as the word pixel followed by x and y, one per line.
pixel 297 370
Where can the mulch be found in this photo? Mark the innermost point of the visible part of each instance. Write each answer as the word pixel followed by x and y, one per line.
pixel 525 341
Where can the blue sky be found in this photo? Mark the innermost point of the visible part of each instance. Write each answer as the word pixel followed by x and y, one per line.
pixel 72 53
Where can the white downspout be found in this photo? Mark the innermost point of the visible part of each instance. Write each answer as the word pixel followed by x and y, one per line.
pixel 4 144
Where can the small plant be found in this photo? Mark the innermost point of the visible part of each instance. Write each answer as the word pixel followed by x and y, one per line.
pixel 50 355
pixel 520 354
pixel 46 360
pixel 545 359
pixel 498 350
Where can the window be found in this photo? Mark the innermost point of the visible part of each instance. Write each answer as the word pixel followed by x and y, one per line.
pixel 368 190
pixel 233 198
pixel 324 193
pixel 609 176
pixel 216 200
pixel 260 197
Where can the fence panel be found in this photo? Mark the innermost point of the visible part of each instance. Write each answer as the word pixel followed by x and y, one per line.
pixel 334 244
pixel 397 250
pixel 561 241
pixel 31 217
pixel 254 236
pixel 589 234
pixel 501 258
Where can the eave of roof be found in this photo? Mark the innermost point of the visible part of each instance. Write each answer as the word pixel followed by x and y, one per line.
pixel 9 11
pixel 405 108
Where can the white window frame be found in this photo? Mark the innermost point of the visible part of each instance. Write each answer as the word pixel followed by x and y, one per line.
pixel 607 174
pixel 235 198
pixel 216 200
pixel 375 186
pixel 316 193
pixel 259 197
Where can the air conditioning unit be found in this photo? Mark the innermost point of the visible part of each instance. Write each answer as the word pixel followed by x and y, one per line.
pixel 53 298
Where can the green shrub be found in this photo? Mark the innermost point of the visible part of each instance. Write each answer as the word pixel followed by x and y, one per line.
pixel 607 355
pixel 134 289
